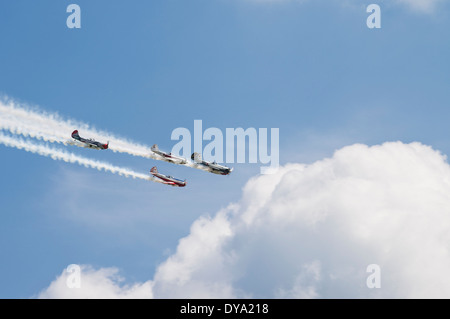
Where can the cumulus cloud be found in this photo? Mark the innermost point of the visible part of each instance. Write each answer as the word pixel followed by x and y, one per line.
pixel 104 283
pixel 310 231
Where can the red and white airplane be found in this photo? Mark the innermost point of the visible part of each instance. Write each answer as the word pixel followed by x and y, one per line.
pixel 168 180
pixel 89 143
pixel 168 157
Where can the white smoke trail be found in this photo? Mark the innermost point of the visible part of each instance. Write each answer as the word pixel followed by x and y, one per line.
pixel 49 127
pixel 60 155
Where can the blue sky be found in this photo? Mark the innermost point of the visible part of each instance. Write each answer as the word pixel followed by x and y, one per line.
pixel 140 69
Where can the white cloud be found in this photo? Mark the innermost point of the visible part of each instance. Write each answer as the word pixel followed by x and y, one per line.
pixel 304 286
pixel 104 283
pixel 310 231
pixel 422 6
pixel 426 6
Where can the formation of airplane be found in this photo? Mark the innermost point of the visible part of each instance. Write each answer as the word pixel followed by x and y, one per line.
pixel 212 167
pixel 168 157
pixel 89 143
pixel 167 179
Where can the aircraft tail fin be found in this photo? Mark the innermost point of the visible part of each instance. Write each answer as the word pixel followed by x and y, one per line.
pixel 155 147
pixel 153 170
pixel 196 157
pixel 75 134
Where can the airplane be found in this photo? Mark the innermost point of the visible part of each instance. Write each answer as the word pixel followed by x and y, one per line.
pixel 168 180
pixel 89 143
pixel 168 157
pixel 211 167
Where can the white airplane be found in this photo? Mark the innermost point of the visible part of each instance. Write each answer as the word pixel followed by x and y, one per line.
pixel 168 180
pixel 211 167
pixel 168 157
